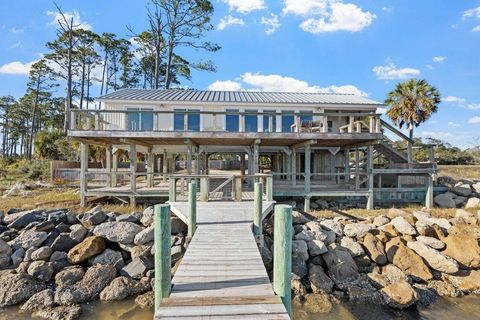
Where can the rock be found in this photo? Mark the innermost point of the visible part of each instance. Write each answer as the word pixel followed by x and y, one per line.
pixel 5 249
pixel 403 226
pixel 78 233
pixel 476 187
pixel 298 288
pixel 436 260
pixel 139 251
pixel 69 276
pixel 87 248
pixel 147 217
pixel 443 288
pixel 319 281
pixel 459 200
pixel 60 313
pixel 461 247
pixel 352 246
pixel 144 236
pixel 108 257
pixel 126 217
pixel 399 295
pixel 380 221
pixel 472 203
pixel 146 300
pixel 17 287
pixel 28 239
pixel 340 264
pixel 58 255
pixel 375 249
pixel 17 257
pixel 267 257
pixel 93 217
pixel 176 254
pixel 444 200
pixel 123 232
pixel 299 247
pixel 299 218
pixel 138 267
pixel 394 212
pixel 40 300
pixel 358 230
pixel 40 270
pixel 407 260
pixel 361 291
pixel 463 191
pixel 332 225
pixel 121 288
pixel 431 242
pixel 316 248
pixel 430 221
pixel 27 219
pixel 63 243
pixel 315 304
pixel 299 266
pixel 305 235
pixel 319 233
pixel 467 281
pixel 178 226
pixel 42 253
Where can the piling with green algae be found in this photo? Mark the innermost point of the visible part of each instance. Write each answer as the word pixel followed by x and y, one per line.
pixel 163 261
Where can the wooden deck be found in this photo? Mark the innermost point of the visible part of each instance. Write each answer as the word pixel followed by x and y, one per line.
pixel 222 275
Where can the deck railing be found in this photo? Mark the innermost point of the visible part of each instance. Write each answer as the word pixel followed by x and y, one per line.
pixel 207 121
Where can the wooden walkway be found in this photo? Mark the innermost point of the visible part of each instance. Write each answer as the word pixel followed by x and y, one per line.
pixel 222 275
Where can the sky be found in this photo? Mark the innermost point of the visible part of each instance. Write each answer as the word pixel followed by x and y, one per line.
pixel 351 46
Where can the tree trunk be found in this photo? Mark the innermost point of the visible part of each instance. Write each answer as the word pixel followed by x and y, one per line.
pixel 103 76
pixel 68 101
pixel 34 113
pixel 168 79
pixel 82 83
pixel 89 71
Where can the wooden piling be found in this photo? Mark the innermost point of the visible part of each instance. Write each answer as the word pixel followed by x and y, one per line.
pixel 192 208
pixel 270 188
pixel 204 189
pixel 282 261
pixel 257 217
pixel 172 189
pixel 162 242
pixel 429 192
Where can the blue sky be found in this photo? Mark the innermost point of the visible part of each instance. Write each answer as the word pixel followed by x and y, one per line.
pixel 358 46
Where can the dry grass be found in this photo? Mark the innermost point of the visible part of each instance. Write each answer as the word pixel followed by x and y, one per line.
pixel 44 198
pixel 460 172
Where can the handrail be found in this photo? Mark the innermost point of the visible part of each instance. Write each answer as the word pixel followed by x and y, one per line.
pixel 396 131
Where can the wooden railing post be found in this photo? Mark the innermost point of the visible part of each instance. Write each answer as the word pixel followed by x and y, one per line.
pixel 192 208
pixel 238 188
pixel 257 217
pixel 429 192
pixel 204 189
pixel 162 242
pixel 282 261
pixel 270 188
pixel 172 189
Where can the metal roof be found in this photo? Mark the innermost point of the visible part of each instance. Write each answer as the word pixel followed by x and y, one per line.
pixel 189 95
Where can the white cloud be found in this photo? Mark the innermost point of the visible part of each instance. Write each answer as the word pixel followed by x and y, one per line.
pixel 453 124
pixel 245 6
pixel 476 29
pixel 389 71
pixel 474 120
pixel 17 30
pixel 439 59
pixel 272 23
pixel 227 85
pixel 388 9
pixel 475 12
pixel 436 134
pixel 16 44
pixel 229 21
pixel 453 99
pixel 278 83
pixel 473 106
pixel 16 68
pixel 329 15
pixel 77 21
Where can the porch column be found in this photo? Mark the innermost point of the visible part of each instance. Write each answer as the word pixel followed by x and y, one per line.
pixel 108 165
pixel 288 165
pixel 242 164
pixel 207 167
pixel 149 159
pixel 114 168
pixel 294 167
pixel 315 164
pixel 197 161
pixel 83 173
pixel 307 168
pixel 347 164
pixel 133 171
pixel 164 165
pixel 370 177
pixel 357 168
pixel 189 159
pixel 255 157
pixel 429 192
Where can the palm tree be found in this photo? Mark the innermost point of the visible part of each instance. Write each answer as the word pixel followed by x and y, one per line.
pixel 411 103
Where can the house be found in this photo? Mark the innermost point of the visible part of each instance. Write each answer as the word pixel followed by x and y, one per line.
pixel 306 145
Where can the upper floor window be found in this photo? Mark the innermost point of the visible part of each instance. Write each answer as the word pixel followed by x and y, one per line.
pixel 232 121
pixel 141 119
pixel 251 121
pixel 186 120
pixel 288 120
pixel 269 121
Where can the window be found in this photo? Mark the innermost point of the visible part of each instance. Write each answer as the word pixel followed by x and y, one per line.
pixel 193 120
pixel 287 121
pixel 267 115
pixel 232 123
pixel 251 121
pixel 141 120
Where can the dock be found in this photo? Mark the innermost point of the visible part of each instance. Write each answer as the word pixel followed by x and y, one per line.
pixel 222 275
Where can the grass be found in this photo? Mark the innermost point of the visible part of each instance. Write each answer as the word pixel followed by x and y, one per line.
pixel 460 172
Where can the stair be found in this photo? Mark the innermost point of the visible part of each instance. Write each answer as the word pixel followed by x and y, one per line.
pixel 391 153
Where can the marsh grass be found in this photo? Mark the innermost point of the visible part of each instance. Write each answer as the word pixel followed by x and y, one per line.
pixel 460 172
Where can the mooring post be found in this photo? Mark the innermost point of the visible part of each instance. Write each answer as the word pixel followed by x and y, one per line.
pixel 257 218
pixel 204 189
pixel 270 188
pixel 429 192
pixel 172 189
pixel 282 260
pixel 192 208
pixel 162 242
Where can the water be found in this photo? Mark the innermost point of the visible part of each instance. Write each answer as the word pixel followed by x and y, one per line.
pixel 465 308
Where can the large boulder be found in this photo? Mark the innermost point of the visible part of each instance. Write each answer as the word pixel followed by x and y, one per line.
pixel 466 281
pixel 332 225
pixel 93 217
pixel 319 281
pixel 399 295
pixel 63 243
pixel 426 219
pixel 340 264
pixel 123 287
pixel 122 232
pixel 89 247
pixel 463 190
pixel 462 247
pixel 403 226
pixel 69 276
pixel 300 248
pixel 60 313
pixel 352 246
pixel 436 260
pixel 407 260
pixel 17 287
pixel 431 242
pixel 375 249
pixel 177 225
pixel 316 248
pixel 146 300
pixel 472 203
pixel 78 233
pixel 299 218
pixel 147 217
pixel 25 218
pixel 299 266
pixel 42 253
pixel 41 270
pixel 28 239
pixel 144 236
pixel 445 200
pixel 40 300
pixel 357 230
pixel 108 257
pixel 138 267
